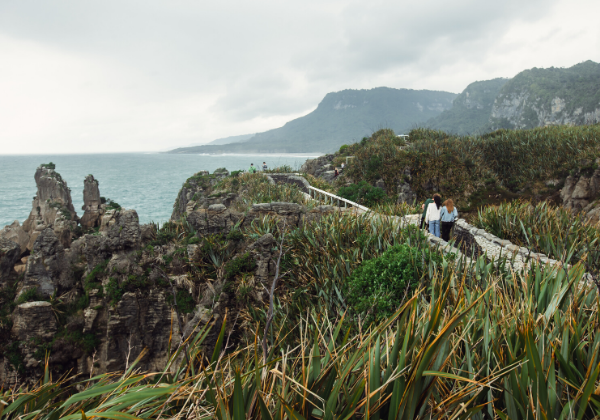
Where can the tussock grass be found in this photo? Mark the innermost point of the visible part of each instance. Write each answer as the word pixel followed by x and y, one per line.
pixel 477 344
pixel 554 231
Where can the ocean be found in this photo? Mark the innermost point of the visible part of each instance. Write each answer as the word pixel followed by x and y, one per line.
pixel 146 182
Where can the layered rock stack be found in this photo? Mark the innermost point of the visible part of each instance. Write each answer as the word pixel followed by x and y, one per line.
pixel 92 204
pixel 52 207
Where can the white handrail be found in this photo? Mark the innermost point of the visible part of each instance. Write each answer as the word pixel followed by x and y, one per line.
pixel 335 197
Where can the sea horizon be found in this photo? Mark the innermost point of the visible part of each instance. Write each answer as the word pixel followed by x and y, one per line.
pixel 145 181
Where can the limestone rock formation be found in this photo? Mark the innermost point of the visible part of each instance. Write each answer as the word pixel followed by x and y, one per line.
pixel 216 219
pixel 121 228
pixel 197 193
pixel 16 233
pixel 34 319
pixel 9 255
pixel 320 167
pixel 405 193
pixel 48 269
pixel 52 207
pixel 92 205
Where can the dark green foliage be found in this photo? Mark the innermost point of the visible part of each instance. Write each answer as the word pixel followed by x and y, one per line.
pixel 92 280
pixel 377 287
pixel 15 357
pixel 242 264
pixel 235 235
pixel 48 165
pixel 112 205
pixel 363 193
pixel 185 301
pixel 343 148
pixel 165 234
pixel 114 292
pixel 30 295
pixel 235 174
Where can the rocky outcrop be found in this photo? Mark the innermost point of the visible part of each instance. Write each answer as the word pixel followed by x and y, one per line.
pixel 215 219
pixel 138 321
pixel 33 322
pixel 320 167
pixel 9 255
pixel 16 233
pixel 92 205
pixel 582 190
pixel 48 269
pixel 197 193
pixel 121 229
pixel 52 207
pixel 405 193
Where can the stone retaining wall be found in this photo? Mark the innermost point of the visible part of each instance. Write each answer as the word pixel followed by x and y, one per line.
pixel 475 242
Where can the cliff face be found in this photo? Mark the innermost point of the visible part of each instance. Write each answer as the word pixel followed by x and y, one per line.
pixel 471 110
pixel 554 96
pixel 97 301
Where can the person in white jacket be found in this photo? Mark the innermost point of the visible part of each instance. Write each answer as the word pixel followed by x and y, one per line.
pixel 432 217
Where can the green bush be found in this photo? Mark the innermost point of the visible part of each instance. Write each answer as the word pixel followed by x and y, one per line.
pixel 235 235
pixel 242 264
pixel 48 165
pixel 112 205
pixel 185 301
pixel 378 286
pixel 114 292
pixel 363 193
pixel 30 295
pixel 92 280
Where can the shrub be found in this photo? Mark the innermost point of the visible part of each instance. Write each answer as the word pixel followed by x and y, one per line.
pixel 92 280
pixel 363 193
pixel 48 165
pixel 30 295
pixel 114 292
pixel 343 148
pixel 245 263
pixel 112 205
pixel 235 235
pixel 235 174
pixel 185 301
pixel 378 286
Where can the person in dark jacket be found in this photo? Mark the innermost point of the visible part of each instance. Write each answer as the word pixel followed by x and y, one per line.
pixel 424 208
pixel 448 216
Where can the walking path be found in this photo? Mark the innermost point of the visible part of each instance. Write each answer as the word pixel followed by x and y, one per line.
pixel 478 241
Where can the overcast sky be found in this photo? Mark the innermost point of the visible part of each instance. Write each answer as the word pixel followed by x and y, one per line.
pixel 108 76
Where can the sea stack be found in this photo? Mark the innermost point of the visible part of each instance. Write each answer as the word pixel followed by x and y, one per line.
pixel 52 207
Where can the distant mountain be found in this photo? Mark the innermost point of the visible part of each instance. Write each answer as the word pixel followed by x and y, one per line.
pixel 471 110
pixel 232 139
pixel 533 98
pixel 541 97
pixel 342 117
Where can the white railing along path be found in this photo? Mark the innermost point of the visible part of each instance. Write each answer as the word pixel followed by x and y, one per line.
pixel 320 195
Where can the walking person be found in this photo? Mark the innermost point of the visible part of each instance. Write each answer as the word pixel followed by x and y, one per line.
pixel 336 173
pixel 264 167
pixel 252 168
pixel 424 208
pixel 448 216
pixel 432 217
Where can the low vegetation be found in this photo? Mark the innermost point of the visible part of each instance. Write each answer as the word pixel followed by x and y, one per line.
pixel 473 169
pixel 554 231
